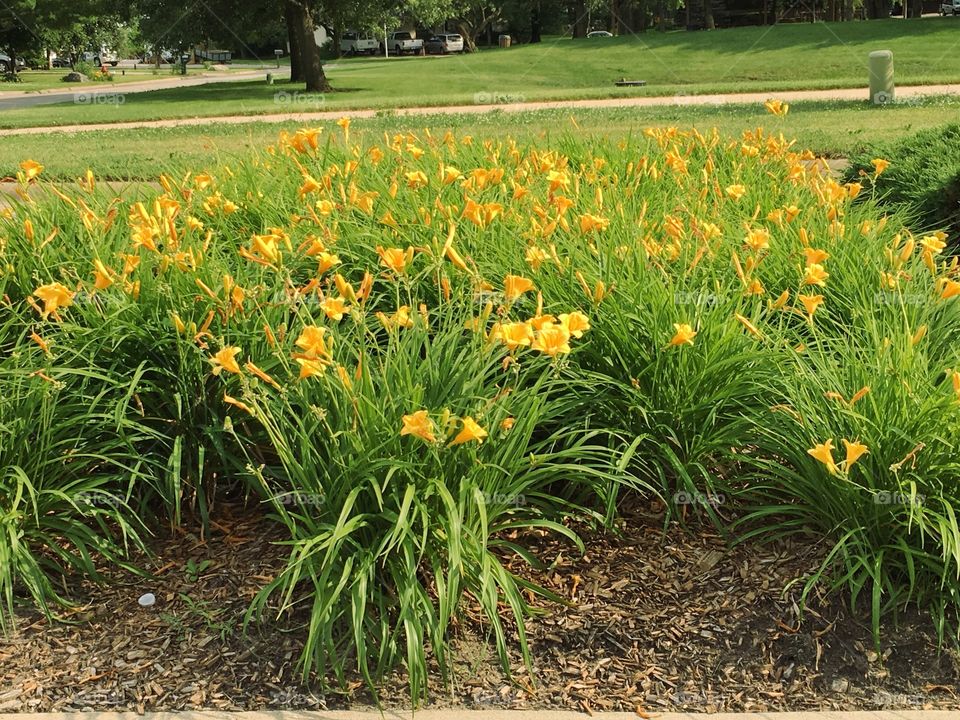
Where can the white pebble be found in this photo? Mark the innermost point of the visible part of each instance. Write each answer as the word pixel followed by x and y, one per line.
pixel 147 599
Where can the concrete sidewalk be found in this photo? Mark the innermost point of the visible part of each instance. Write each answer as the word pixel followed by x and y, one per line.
pixel 461 714
pixel 15 99
pixel 848 94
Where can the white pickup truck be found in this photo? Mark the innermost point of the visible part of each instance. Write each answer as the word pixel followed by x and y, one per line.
pixel 354 43
pixel 401 42
pixel 950 7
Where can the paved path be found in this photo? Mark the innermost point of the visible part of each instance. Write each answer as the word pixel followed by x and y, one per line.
pixel 10 100
pixel 650 101
pixel 461 714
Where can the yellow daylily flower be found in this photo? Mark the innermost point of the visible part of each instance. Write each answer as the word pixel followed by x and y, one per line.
pixel 552 339
pixel 777 107
pixel 810 304
pixel 471 431
pixel 314 342
pixel 54 296
pixel 514 335
pixel 735 192
pixel 855 450
pixel 824 453
pixel 813 256
pixel 334 308
pixel 31 169
pixel 576 323
pixel 514 286
pixel 225 359
pixel 395 259
pixel 419 425
pixel 309 368
pixel 684 335
pixel 815 275
pixel 102 276
pixel 951 289
pixel 757 239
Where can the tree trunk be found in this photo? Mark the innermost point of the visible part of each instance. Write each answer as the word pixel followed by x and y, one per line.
pixel 315 80
pixel 916 8
pixel 708 22
pixel 614 17
pixel 535 22
pixel 293 38
pixel 626 17
pixel 468 35
pixel 661 16
pixel 580 19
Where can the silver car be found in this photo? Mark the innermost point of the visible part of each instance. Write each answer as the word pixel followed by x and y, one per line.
pixel 950 7
pixel 445 43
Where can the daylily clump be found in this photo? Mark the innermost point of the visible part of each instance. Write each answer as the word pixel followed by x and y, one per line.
pixel 422 327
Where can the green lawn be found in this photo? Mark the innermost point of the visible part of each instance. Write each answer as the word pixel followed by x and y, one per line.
pixel 756 58
pixel 831 128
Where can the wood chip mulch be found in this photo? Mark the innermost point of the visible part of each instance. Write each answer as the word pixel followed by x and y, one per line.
pixel 659 619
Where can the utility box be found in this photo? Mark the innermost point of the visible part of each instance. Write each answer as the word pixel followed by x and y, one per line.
pixel 881 77
pixel 505 41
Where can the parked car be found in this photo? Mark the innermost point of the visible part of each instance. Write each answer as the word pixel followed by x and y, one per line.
pixel 950 7
pixel 6 64
pixel 101 57
pixel 401 42
pixel 599 34
pixel 167 57
pixel 61 62
pixel 353 43
pixel 444 43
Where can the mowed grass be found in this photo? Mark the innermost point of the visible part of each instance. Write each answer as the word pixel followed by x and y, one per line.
pixel 833 128
pixel 760 59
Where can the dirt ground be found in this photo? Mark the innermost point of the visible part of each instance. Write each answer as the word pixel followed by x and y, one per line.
pixel 659 619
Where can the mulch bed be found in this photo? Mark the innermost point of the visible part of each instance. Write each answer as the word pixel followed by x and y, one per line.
pixel 659 619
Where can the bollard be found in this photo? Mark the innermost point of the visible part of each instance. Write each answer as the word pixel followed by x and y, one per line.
pixel 881 77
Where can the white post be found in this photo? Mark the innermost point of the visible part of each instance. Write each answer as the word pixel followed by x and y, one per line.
pixel 386 50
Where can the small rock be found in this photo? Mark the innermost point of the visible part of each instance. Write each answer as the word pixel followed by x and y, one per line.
pixel 147 600
pixel 840 685
pixel 75 77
